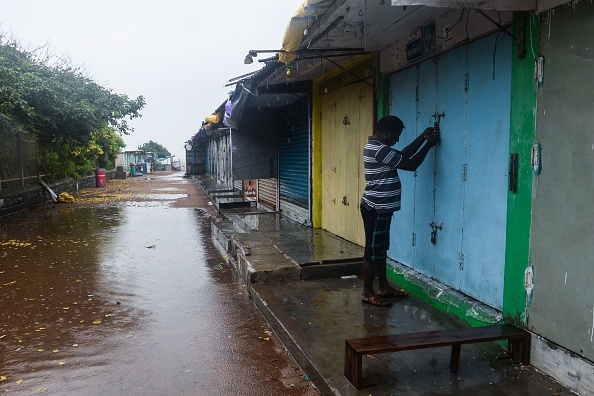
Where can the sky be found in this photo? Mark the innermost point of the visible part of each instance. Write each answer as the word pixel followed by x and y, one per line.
pixel 178 54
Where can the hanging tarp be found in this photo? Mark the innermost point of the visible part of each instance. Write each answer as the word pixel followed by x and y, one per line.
pixel 245 91
pixel 215 118
pixel 236 103
pixel 306 14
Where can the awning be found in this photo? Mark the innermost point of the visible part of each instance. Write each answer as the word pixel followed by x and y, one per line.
pixel 245 90
pixel 304 17
pixel 492 5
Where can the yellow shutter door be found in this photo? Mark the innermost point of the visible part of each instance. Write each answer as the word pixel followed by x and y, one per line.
pixel 347 120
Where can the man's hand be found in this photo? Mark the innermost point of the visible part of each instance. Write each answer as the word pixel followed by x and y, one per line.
pixel 432 136
pixel 428 132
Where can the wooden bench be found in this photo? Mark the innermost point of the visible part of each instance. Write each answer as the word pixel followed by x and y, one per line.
pixel 518 346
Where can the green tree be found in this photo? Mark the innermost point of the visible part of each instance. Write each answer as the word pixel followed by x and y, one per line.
pixel 76 121
pixel 78 160
pixel 111 144
pixel 58 101
pixel 158 150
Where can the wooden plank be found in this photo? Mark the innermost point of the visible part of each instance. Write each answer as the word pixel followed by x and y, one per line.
pixel 431 339
pixel 52 194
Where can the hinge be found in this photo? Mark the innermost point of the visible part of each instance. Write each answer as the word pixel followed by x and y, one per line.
pixel 464 172
pixel 417 94
pixel 461 260
pixel 466 83
pixel 414 239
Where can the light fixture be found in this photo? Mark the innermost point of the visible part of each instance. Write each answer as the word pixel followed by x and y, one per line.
pixel 250 57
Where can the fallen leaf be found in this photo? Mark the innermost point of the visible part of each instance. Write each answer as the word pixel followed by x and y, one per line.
pixel 97 322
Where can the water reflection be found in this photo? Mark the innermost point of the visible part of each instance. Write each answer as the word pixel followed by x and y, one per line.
pixel 80 288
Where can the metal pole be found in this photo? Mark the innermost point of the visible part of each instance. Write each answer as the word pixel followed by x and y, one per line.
pixel 20 157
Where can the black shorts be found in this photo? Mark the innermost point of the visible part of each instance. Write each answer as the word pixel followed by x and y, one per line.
pixel 377 234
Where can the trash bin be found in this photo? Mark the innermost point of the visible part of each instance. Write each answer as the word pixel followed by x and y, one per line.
pixel 132 169
pixel 120 173
pixel 100 178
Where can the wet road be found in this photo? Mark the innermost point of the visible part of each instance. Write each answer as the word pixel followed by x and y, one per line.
pixel 124 293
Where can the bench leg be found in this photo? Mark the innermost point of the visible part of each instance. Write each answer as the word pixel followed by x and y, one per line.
pixel 513 349
pixel 352 366
pixel 526 346
pixel 519 350
pixel 455 358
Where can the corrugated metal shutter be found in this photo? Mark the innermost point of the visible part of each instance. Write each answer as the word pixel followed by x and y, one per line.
pixel 294 154
pixel 238 186
pixel 267 193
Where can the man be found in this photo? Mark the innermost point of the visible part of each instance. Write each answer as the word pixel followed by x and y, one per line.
pixel 381 199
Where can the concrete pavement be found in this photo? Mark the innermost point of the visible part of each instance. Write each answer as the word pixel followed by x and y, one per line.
pixel 307 284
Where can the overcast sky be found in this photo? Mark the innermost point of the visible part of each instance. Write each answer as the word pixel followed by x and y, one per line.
pixel 178 54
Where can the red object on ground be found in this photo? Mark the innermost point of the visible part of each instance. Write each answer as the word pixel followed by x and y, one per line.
pixel 100 179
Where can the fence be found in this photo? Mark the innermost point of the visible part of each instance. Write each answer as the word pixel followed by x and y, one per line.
pixel 19 160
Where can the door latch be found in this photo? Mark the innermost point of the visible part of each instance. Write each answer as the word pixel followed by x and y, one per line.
pixel 438 117
pixel 434 228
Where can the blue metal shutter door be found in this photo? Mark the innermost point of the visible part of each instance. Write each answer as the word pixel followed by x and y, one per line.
pixel 294 159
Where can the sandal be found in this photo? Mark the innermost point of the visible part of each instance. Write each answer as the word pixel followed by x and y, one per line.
pixel 376 300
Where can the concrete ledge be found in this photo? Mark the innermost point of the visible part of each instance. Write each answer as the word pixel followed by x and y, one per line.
pixel 212 192
pixel 15 199
pixel 330 270
pixel 231 205
pixel 570 369
pixel 267 265
pixel 225 241
pixel 443 297
pixel 226 195
pixel 315 377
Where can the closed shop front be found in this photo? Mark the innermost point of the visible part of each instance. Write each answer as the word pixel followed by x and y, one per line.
pixel 561 244
pixel 267 193
pixel 452 224
pixel 294 160
pixel 346 123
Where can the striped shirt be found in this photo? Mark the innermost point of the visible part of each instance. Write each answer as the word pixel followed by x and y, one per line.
pixel 382 184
